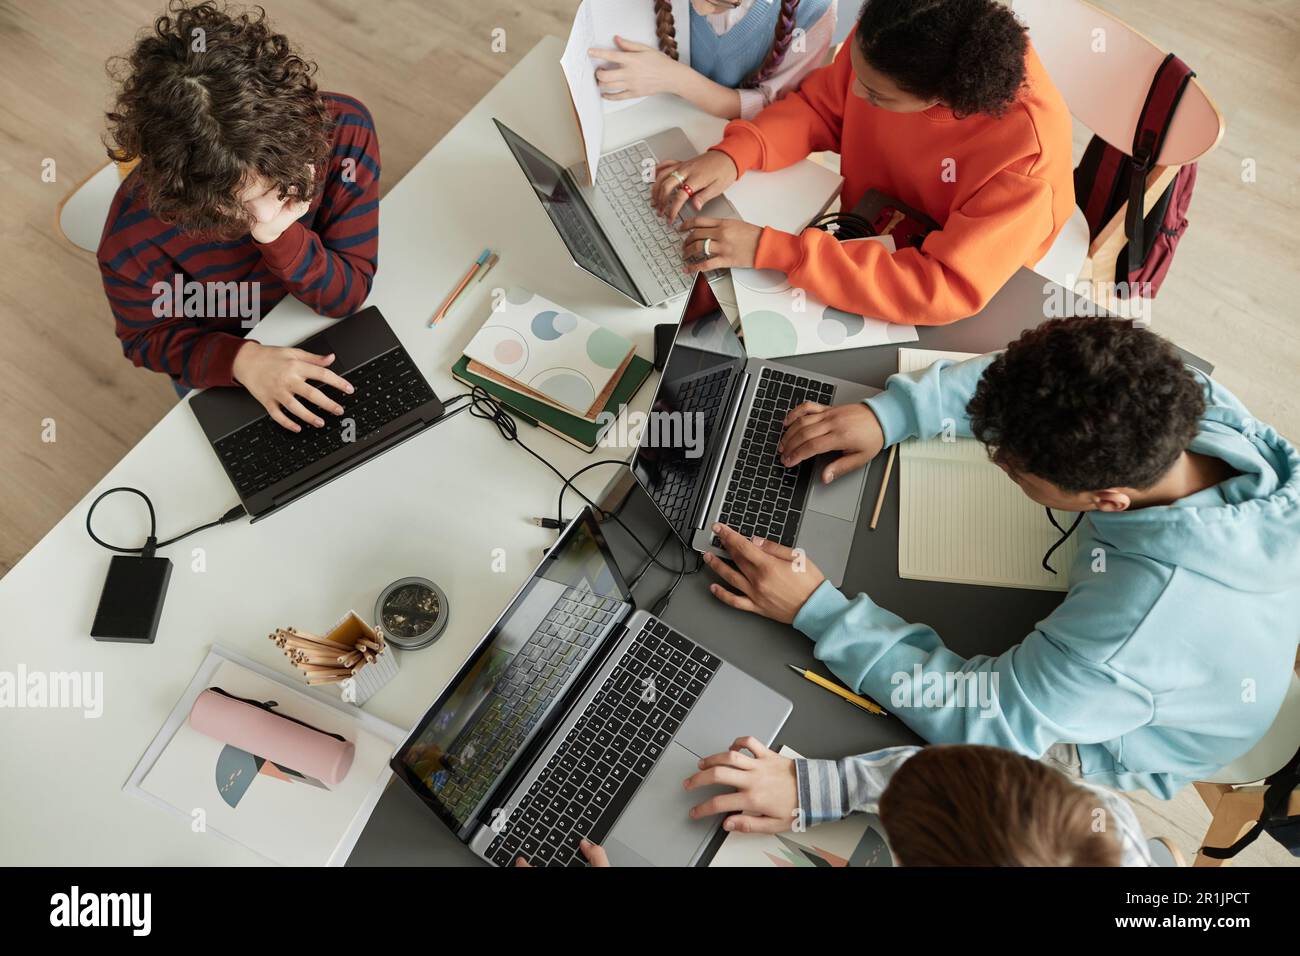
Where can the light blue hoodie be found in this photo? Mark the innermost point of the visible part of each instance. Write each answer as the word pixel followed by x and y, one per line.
pixel 1164 667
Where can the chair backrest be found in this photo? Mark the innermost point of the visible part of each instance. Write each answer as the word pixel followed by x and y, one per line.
pixel 1274 749
pixel 1103 68
pixel 84 211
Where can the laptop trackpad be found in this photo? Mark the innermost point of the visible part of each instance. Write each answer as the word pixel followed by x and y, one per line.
pixel 655 829
pixel 842 496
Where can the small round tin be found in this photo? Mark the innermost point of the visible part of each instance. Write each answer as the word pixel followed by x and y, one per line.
pixel 412 613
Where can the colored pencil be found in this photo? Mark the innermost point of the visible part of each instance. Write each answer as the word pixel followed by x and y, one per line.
pixel 460 287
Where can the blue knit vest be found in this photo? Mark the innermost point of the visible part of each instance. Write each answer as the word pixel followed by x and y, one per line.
pixel 729 58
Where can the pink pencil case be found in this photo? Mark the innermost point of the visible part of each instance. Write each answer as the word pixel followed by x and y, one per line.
pixel 255 727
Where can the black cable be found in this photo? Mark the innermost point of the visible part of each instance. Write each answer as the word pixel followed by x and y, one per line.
pixel 482 405
pixel 152 543
pixel 645 565
pixel 844 225
pixel 658 608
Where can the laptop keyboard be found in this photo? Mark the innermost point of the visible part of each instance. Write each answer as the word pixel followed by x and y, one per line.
pixel 622 181
pixel 522 694
pixel 763 497
pixel 263 452
pixel 614 745
pixel 703 395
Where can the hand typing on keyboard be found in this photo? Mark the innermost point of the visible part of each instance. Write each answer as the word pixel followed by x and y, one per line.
pixel 278 377
pixel 595 855
pixel 764 798
pixel 732 243
pixel 698 180
pixel 813 429
pixel 769 579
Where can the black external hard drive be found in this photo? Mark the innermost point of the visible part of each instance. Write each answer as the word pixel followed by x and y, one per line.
pixel 132 602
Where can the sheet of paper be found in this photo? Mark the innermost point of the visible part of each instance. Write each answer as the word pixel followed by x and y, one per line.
pixel 856 841
pixel 781 321
pixel 635 20
pixel 580 74
pixel 285 817
pixel 961 519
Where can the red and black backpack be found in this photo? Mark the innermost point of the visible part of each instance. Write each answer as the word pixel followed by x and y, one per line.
pixel 1105 179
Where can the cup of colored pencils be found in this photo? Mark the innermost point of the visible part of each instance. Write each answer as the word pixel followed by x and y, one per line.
pixel 352 654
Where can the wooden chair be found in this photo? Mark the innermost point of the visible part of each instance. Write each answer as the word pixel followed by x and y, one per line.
pixel 1164 852
pixel 1105 91
pixel 1234 795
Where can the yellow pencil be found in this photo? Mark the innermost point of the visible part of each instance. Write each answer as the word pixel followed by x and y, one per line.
pixel 869 706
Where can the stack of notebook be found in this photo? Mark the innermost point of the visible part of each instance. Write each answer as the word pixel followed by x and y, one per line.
pixel 553 368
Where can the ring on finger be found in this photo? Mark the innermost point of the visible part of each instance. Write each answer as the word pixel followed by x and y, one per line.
pixel 681 180
pixel 706 247
pixel 688 189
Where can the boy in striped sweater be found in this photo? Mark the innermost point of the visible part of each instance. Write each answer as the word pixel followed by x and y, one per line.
pixel 250 185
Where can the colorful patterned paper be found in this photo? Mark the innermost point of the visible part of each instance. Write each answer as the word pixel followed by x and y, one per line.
pixel 543 346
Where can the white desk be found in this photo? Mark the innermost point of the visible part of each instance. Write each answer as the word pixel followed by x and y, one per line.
pixel 437 506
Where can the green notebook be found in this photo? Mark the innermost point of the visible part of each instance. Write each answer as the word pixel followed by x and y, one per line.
pixel 571 428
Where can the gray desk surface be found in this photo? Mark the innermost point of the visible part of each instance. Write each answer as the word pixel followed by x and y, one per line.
pixel 971 620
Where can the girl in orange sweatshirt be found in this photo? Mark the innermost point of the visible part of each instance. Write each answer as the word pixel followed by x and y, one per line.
pixel 939 104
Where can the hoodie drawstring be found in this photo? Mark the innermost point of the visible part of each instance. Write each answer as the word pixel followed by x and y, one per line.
pixel 1065 535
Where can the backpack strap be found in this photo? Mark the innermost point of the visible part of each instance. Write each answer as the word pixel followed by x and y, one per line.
pixel 1276 798
pixel 1162 100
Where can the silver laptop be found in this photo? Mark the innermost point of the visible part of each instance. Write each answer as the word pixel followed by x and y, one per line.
pixel 579 715
pixel 707 452
pixel 611 229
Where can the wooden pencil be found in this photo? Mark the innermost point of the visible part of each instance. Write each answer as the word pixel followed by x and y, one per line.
pixel 331 679
pixel 315 669
pixel 884 486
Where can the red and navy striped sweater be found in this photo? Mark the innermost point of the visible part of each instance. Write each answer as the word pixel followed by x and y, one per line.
pixel 327 259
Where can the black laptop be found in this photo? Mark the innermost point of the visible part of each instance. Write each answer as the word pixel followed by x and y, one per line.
pixel 271 466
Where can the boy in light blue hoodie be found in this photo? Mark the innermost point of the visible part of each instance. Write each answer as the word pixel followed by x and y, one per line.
pixel 1173 649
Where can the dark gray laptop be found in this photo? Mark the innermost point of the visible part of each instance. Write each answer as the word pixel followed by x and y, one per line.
pixel 579 715
pixel 610 229
pixel 271 466
pixel 708 449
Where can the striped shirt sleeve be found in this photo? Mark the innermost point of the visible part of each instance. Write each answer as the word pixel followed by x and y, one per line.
pixel 832 789
pixel 163 340
pixel 330 267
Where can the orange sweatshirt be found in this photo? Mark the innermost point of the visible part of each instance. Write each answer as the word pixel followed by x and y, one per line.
pixel 1011 191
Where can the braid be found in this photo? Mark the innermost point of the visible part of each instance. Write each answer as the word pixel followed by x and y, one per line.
pixel 785 25
pixel 665 28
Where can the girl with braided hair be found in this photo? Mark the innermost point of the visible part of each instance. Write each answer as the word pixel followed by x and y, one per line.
pixel 743 54
pixel 940 106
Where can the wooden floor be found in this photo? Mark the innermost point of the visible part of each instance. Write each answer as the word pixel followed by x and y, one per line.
pixel 419 65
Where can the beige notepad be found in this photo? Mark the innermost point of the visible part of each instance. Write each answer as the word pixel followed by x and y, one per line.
pixel 961 519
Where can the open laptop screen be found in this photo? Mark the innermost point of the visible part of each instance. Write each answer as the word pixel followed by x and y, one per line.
pixel 686 428
pixel 508 690
pixel 587 242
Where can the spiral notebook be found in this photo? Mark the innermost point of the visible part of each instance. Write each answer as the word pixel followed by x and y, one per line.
pixel 961 519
